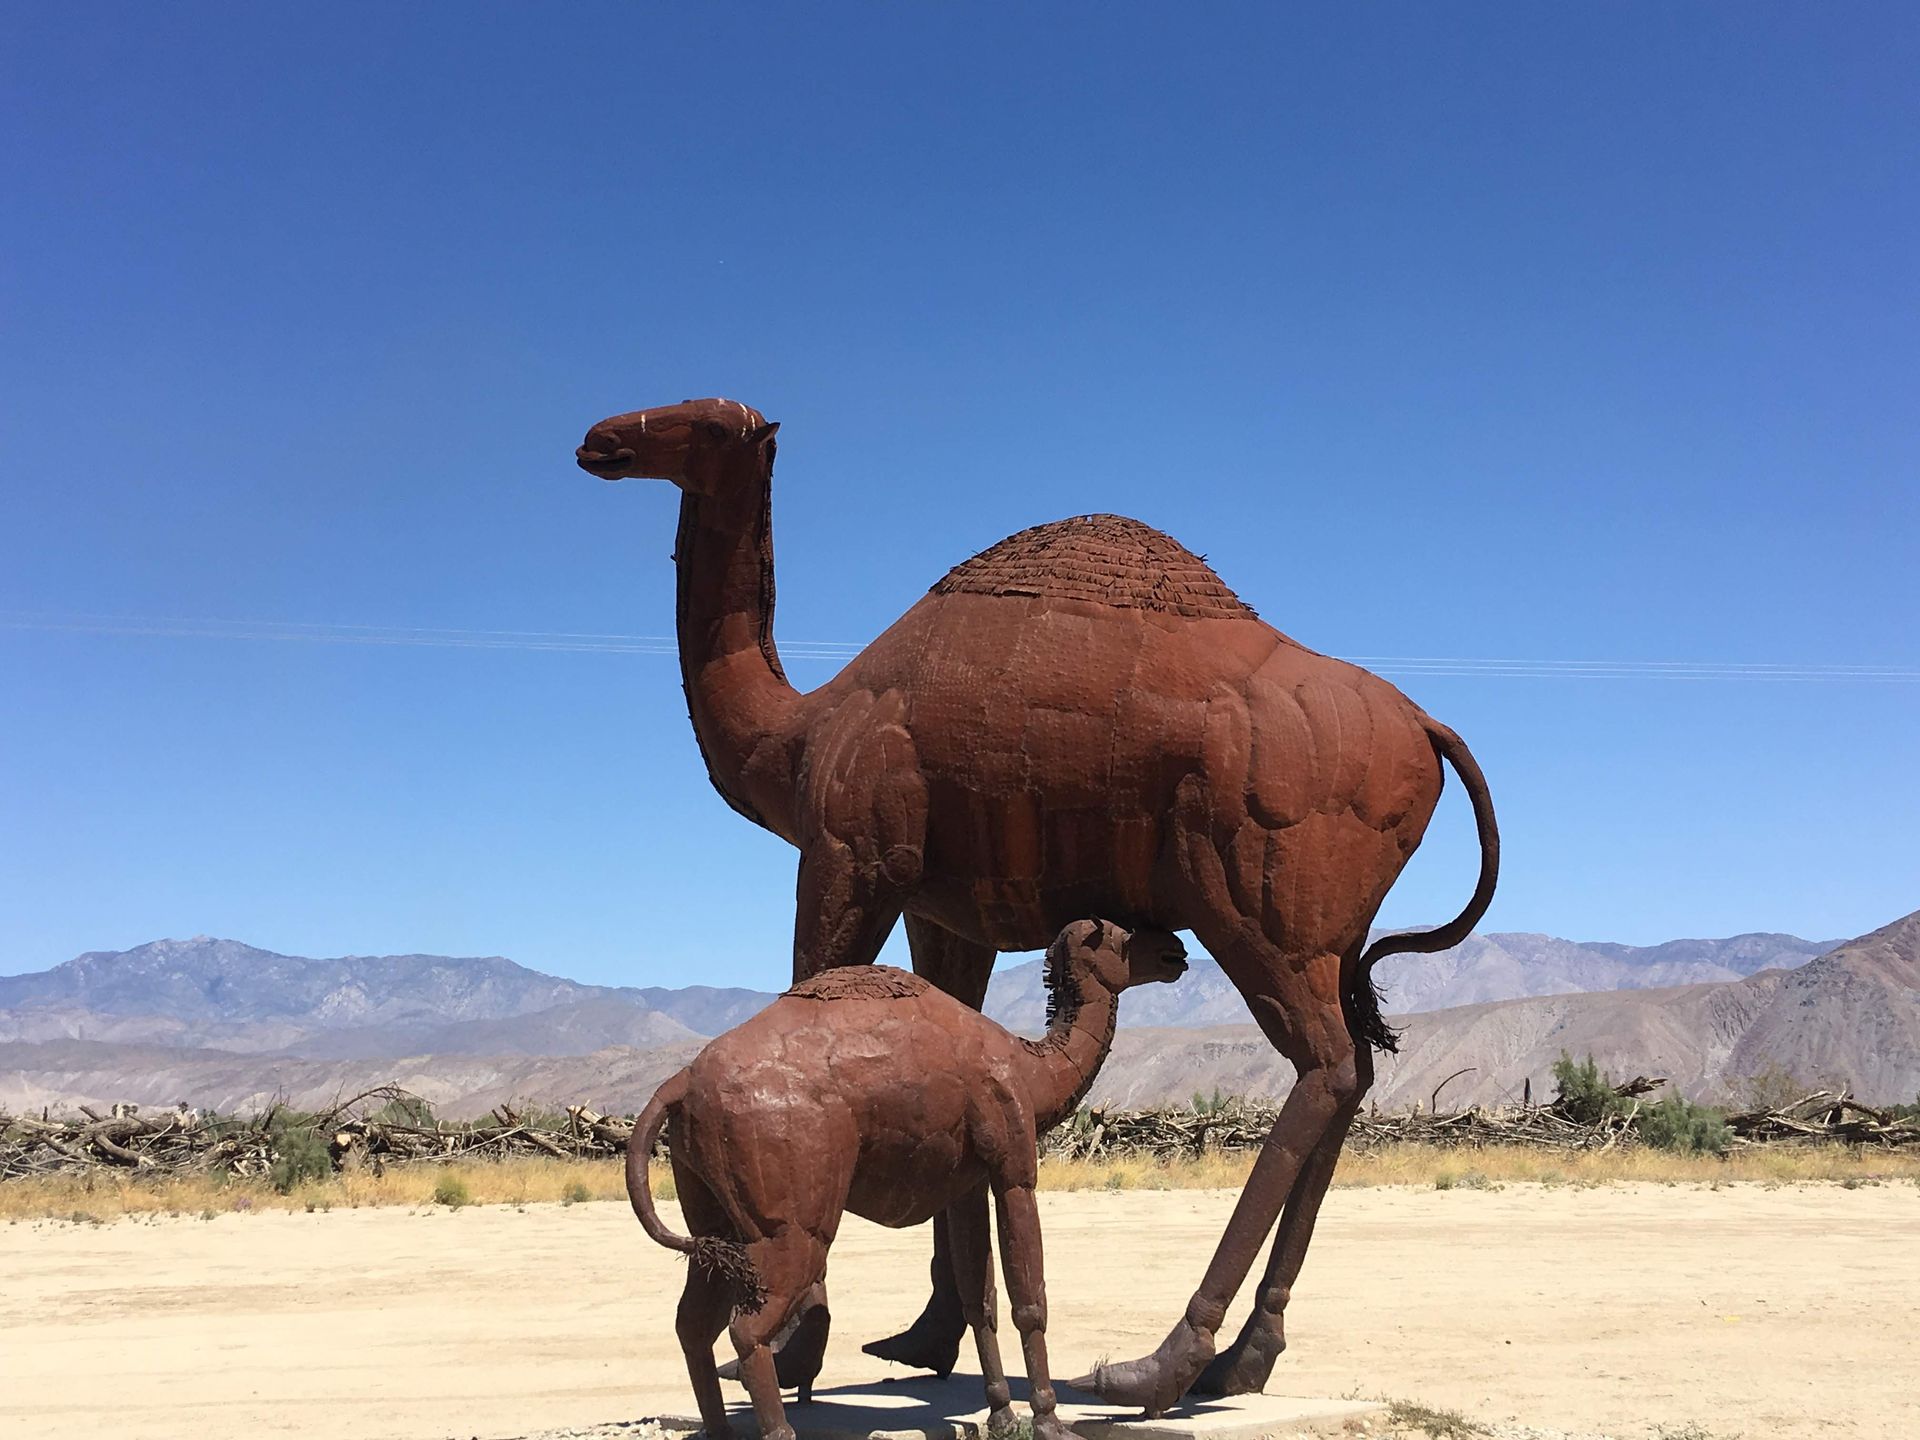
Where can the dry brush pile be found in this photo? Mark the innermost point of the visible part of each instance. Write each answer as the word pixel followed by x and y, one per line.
pixel 388 1126
pixel 380 1127
pixel 1822 1118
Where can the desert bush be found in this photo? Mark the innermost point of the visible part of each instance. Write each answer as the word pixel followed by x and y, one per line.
pixel 451 1191
pixel 1584 1095
pixel 576 1193
pixel 1676 1123
pixel 300 1153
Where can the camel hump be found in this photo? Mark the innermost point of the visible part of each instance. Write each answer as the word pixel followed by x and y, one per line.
pixel 1107 559
pixel 860 982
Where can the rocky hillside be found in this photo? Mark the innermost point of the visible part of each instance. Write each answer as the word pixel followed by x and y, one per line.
pixel 206 992
pixel 1483 968
pixel 1851 1017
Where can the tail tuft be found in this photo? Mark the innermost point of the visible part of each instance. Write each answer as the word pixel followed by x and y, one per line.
pixel 1364 1020
pixel 728 1260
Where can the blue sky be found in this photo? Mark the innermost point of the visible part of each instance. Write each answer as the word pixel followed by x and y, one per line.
pixel 1469 331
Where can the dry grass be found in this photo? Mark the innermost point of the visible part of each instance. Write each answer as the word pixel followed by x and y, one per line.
pixel 103 1196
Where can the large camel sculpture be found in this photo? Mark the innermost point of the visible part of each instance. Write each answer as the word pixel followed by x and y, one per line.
pixel 1081 720
pixel 867 1089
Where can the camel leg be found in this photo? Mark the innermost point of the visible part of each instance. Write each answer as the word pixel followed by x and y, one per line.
pixel 1020 1256
pixel 845 909
pixel 1296 1000
pixel 790 1263
pixel 705 1303
pixel 961 968
pixel 973 1274
pixel 800 1347
pixel 844 914
pixel 1244 1366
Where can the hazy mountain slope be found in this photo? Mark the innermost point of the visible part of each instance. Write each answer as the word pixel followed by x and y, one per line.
pixel 1850 1017
pixel 208 979
pixel 1852 1014
pixel 703 1009
pixel 576 1029
pixel 1482 968
pixel 67 1073
pixel 236 997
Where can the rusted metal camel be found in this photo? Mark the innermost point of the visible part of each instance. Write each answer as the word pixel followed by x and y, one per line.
pixel 1081 720
pixel 869 1090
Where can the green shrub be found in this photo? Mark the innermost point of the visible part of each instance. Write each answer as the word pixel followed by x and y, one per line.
pixel 451 1191
pixel 1676 1123
pixel 1584 1095
pixel 576 1193
pixel 299 1155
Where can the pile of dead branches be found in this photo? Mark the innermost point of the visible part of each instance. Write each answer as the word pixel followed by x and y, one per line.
pixel 388 1126
pixel 1243 1126
pixel 380 1127
pixel 177 1140
pixel 1826 1117
pixel 399 1133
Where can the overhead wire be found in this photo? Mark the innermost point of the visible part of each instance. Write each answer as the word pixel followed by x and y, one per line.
pixel 595 642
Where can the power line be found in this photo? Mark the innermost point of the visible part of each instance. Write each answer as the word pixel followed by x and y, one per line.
pixel 593 642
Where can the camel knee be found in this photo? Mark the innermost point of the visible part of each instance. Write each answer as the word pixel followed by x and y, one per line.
pixel 1205 1313
pixel 1030 1315
pixel 1343 1080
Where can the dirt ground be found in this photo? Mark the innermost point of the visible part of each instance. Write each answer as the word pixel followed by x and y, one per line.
pixel 1748 1311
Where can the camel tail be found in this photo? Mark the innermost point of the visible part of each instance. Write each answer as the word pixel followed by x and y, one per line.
pixel 1363 998
pixel 723 1259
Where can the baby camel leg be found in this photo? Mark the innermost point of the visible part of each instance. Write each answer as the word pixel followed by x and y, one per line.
pixel 705 1302
pixel 790 1263
pixel 973 1278
pixel 704 1306
pixel 1027 1290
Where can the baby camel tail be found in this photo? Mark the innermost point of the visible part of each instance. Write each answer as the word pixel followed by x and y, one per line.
pixel 725 1261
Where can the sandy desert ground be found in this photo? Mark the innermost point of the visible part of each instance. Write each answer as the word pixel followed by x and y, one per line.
pixel 1749 1311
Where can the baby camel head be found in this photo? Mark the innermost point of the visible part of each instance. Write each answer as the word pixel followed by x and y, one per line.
pixel 1099 952
pixel 695 444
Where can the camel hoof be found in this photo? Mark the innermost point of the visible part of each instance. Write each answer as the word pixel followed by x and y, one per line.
pixel 1155 1382
pixel 918 1348
pixel 1240 1369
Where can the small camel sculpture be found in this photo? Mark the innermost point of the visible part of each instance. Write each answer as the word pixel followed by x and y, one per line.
pixel 1081 720
pixel 869 1090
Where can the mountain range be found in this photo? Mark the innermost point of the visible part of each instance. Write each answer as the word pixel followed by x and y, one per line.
pixel 219 1023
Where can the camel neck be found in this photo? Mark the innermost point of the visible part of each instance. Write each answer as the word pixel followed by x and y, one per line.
pixel 1079 1035
pixel 738 695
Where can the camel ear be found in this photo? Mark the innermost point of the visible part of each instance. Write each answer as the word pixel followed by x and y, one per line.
pixel 765 432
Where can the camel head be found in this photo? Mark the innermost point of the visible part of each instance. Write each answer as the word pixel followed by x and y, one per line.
pixel 696 444
pixel 1113 957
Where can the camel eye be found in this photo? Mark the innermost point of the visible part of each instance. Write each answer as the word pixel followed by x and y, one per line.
pixel 715 431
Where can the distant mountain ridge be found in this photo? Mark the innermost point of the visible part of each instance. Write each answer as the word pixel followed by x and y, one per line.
pixel 1482 968
pixel 237 997
pixel 1849 1016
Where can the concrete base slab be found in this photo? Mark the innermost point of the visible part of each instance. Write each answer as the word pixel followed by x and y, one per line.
pixel 928 1408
